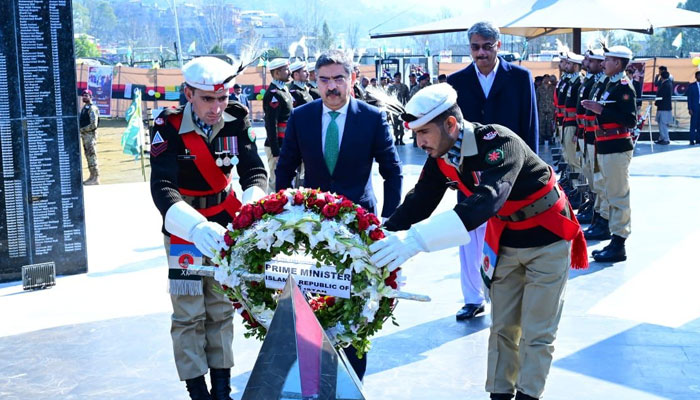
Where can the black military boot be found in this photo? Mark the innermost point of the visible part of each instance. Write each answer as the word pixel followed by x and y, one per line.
pixel 600 231
pixel 197 388
pixel 614 252
pixel 523 396
pixel 501 396
pixel 585 212
pixel 220 384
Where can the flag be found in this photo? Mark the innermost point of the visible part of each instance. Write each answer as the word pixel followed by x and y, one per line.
pixel 678 41
pixel 192 48
pixel 132 138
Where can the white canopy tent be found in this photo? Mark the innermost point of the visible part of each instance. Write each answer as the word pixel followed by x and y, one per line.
pixel 533 18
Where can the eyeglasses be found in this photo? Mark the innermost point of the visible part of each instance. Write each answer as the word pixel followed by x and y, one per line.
pixel 485 46
pixel 339 80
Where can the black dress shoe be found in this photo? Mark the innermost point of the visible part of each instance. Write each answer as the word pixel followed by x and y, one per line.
pixel 501 396
pixel 523 396
pixel 469 311
pixel 614 252
pixel 663 142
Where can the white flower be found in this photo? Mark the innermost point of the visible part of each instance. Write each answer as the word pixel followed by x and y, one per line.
pixel 286 235
pixel 348 218
pixel 307 228
pixel 357 253
pixel 225 277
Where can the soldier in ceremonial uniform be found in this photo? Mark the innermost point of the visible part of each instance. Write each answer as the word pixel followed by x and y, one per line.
pixel 586 133
pixel 277 105
pixel 560 95
pixel 312 84
pixel 529 232
pixel 569 126
pixel 400 91
pixel 89 120
pixel 616 114
pixel 298 89
pixel 193 153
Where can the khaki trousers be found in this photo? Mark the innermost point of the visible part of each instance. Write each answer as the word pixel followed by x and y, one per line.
pixel 569 143
pixel 601 203
pixel 272 165
pixel 616 179
pixel 527 295
pixel 586 169
pixel 202 330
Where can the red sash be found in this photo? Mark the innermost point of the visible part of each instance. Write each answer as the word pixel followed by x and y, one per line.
pixel 203 160
pixel 552 220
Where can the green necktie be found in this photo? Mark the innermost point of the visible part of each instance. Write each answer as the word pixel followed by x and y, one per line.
pixel 332 146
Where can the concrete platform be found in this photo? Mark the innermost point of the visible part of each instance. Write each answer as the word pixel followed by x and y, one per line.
pixel 629 330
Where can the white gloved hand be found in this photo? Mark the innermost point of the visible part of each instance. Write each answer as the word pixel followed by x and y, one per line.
pixel 395 249
pixel 208 237
pixel 187 223
pixel 252 194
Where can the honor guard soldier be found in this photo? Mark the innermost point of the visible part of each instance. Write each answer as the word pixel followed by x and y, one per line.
pixel 586 129
pixel 277 105
pixel 560 94
pixel 193 153
pixel 89 121
pixel 616 113
pixel 569 126
pixel 528 245
pixel 298 88
pixel 312 84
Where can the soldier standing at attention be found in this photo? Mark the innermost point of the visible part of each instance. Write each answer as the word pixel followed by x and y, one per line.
pixel 194 151
pixel 277 105
pixel 616 112
pixel 298 88
pixel 89 120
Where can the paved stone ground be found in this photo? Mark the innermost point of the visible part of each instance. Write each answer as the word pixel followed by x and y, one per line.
pixel 629 330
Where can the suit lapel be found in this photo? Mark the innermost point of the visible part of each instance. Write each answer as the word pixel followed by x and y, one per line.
pixel 502 76
pixel 351 121
pixel 473 81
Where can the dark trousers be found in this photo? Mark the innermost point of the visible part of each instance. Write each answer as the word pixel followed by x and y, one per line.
pixel 695 126
pixel 358 364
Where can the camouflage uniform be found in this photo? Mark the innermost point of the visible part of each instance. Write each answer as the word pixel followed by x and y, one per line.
pixel 89 119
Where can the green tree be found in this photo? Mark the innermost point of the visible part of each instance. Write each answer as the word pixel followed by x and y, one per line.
pixel 326 40
pixel 81 17
pixel 84 47
pixel 274 53
pixel 103 22
pixel 217 49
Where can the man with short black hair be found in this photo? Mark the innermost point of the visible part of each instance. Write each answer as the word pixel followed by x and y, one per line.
pixel 194 151
pixel 616 115
pixel 531 233
pixel 277 105
pixel 442 78
pixel 664 107
pixel 89 121
pixel 338 140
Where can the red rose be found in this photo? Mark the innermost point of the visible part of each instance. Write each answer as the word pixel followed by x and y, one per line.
pixel 346 204
pixel 373 220
pixel 330 198
pixel 330 210
pixel 362 222
pixel 330 301
pixel 315 202
pixel 298 198
pixel 242 220
pixel 237 305
pixel 274 206
pixel 376 234
pixel 224 287
pixel 245 315
pixel 228 239
pixel 258 211
pixel 254 284
pixel 360 211
pixel 391 280
pixel 222 253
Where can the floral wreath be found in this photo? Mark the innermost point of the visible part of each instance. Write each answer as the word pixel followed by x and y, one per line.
pixel 331 229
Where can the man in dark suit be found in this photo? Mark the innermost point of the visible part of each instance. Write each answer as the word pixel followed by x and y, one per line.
pixel 693 94
pixel 338 138
pixel 490 91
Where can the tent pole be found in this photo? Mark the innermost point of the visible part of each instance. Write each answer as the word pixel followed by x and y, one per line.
pixel 577 40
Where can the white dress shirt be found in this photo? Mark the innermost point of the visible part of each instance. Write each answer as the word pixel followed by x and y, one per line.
pixel 340 120
pixel 486 81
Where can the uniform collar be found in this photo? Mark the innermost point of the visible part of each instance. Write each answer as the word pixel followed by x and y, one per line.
pixel 465 145
pixel 299 84
pixel 617 76
pixel 313 84
pixel 188 124
pixel 279 84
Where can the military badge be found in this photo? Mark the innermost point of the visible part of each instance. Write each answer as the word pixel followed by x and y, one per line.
pixel 159 121
pixel 494 156
pixel 251 134
pixel 490 135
